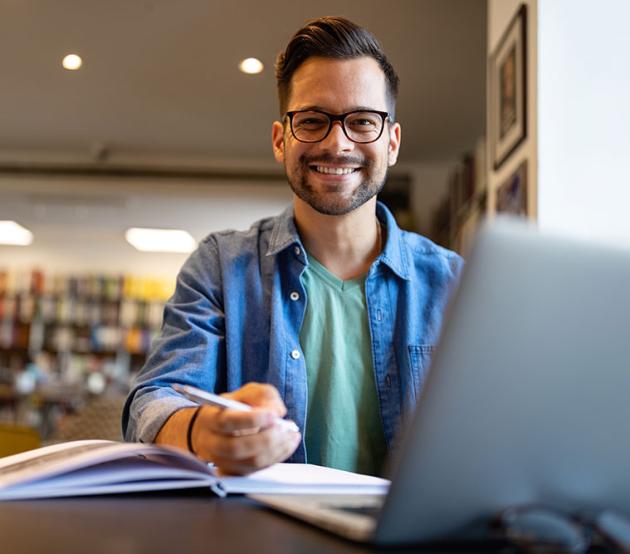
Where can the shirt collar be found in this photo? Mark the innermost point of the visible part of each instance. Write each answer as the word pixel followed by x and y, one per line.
pixel 394 255
pixel 284 233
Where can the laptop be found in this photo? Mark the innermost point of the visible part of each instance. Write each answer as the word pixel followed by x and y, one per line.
pixel 527 399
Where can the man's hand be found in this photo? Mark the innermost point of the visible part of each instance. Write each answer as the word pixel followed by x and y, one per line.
pixel 240 442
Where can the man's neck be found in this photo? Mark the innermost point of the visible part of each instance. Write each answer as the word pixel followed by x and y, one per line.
pixel 346 245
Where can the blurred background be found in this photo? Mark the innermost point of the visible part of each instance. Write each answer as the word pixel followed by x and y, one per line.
pixel 159 129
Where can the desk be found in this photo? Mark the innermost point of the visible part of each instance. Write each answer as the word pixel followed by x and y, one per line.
pixel 174 522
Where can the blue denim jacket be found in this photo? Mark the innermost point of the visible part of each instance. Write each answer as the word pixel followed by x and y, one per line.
pixel 233 319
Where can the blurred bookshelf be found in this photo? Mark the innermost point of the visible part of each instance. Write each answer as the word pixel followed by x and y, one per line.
pixel 66 339
pixel 396 195
pixel 456 219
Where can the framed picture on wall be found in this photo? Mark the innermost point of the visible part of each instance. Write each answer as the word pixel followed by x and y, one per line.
pixel 512 194
pixel 508 90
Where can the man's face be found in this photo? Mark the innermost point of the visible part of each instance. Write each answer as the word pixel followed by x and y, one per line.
pixel 336 86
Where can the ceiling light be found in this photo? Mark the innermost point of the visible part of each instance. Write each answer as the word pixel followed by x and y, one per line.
pixel 72 62
pixel 251 66
pixel 160 240
pixel 13 233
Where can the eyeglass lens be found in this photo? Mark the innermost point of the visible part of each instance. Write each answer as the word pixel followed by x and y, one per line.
pixel 358 126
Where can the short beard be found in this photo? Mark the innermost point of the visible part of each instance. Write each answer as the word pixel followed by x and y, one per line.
pixel 368 188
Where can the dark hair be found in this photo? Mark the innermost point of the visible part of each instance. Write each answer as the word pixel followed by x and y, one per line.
pixel 337 38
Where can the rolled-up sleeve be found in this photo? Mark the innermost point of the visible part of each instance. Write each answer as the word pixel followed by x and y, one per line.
pixel 189 350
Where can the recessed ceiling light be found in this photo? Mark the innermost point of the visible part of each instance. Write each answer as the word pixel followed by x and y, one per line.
pixel 13 233
pixel 72 62
pixel 251 66
pixel 160 240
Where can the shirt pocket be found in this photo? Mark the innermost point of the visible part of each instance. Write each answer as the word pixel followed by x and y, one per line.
pixel 419 360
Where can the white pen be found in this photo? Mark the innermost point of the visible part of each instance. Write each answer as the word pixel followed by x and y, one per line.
pixel 204 397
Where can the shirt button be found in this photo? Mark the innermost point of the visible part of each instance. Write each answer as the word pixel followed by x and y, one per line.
pixel 388 381
pixel 295 354
pixel 298 250
pixel 294 296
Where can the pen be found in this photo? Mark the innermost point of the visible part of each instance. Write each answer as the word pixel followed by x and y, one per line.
pixel 204 397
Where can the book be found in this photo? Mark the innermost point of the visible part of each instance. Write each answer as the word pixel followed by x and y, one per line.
pixel 95 467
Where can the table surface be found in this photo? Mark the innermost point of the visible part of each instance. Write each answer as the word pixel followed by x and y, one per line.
pixel 182 522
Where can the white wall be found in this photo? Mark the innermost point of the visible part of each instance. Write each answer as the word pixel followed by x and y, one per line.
pixel 584 118
pixel 500 13
pixel 79 226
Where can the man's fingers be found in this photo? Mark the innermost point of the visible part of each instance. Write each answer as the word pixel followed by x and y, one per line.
pixel 242 441
pixel 268 443
pixel 279 454
pixel 225 466
pixel 260 395
pixel 254 463
pixel 230 422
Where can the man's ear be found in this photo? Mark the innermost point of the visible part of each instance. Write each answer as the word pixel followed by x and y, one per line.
pixel 394 143
pixel 277 141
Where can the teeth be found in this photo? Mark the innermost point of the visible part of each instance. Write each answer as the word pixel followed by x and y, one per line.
pixel 334 170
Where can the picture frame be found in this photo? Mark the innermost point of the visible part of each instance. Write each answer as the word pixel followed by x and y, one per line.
pixel 508 90
pixel 512 195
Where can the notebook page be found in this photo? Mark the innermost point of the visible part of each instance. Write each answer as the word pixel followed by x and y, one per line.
pixel 304 479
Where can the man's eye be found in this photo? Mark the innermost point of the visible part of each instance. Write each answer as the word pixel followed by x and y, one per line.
pixel 311 122
pixel 363 123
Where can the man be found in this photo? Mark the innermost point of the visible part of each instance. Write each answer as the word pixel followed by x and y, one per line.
pixel 327 313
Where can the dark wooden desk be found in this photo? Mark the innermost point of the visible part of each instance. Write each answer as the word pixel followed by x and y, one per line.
pixel 181 522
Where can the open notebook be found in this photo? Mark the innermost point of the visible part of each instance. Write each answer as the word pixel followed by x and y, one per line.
pixel 93 467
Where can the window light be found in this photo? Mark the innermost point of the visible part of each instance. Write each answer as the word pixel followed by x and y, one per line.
pixel 13 233
pixel 160 240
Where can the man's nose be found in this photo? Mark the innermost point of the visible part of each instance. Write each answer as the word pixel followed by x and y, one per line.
pixel 337 139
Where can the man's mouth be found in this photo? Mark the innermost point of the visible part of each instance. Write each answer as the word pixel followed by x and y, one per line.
pixel 327 170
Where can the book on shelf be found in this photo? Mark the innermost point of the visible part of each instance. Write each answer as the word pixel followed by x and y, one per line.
pixel 98 467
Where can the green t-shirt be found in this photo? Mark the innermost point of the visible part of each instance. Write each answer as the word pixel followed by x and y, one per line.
pixel 343 422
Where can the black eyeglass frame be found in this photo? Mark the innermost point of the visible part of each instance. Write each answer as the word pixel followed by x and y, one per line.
pixel 342 119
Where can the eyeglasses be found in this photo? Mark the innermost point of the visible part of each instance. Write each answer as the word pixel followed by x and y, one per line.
pixel 362 126
pixel 543 529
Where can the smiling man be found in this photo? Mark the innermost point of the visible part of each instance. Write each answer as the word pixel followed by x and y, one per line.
pixel 326 314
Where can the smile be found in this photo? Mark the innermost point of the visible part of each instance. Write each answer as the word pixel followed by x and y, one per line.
pixel 334 170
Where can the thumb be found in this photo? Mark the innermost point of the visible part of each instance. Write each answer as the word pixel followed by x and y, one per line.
pixel 260 395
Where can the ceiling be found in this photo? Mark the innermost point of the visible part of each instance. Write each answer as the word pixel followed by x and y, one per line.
pixel 160 77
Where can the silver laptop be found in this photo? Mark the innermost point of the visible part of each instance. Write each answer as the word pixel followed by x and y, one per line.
pixel 527 400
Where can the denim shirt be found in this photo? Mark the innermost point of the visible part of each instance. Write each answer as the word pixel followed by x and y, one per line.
pixel 238 307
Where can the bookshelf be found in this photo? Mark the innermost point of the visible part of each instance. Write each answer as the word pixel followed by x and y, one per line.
pixel 456 219
pixel 66 337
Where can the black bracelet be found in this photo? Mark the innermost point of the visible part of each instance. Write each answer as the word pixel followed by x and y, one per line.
pixel 190 428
